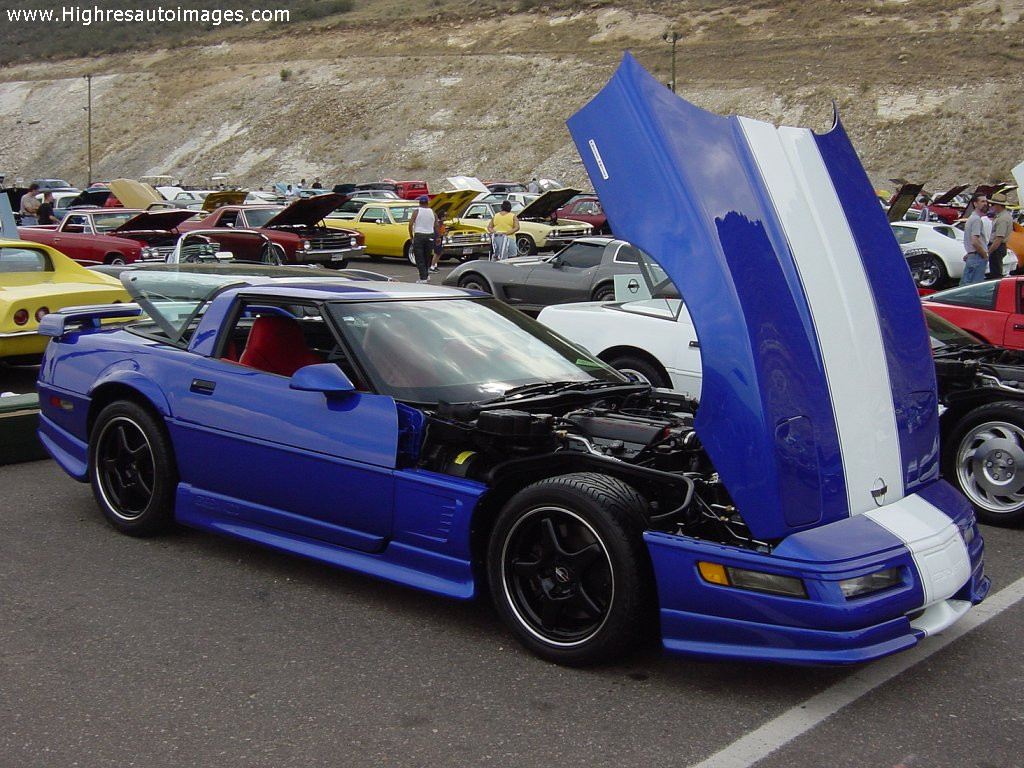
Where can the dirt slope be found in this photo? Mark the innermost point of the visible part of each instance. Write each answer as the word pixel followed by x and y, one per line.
pixel 473 90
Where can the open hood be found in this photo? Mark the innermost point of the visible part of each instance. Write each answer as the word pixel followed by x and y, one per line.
pixel 902 200
pixel 306 211
pixel 135 194
pixel 947 197
pixel 155 221
pixel 91 198
pixel 450 205
pixel 548 203
pixel 221 197
pixel 818 397
pixel 468 182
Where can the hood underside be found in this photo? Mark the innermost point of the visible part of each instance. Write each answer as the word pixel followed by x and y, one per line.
pixel 548 203
pixel 306 211
pixel 818 397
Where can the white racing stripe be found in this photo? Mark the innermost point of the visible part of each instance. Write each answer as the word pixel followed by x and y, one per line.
pixel 775 734
pixel 841 304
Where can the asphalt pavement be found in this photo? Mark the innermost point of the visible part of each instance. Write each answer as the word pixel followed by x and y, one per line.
pixel 196 650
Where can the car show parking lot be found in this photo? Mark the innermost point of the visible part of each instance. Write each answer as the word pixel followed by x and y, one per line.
pixel 193 649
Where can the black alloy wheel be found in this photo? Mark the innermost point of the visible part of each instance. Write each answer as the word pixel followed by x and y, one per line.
pixel 568 570
pixel 132 469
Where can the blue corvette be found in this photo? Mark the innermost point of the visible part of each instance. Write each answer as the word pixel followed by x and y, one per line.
pixel 436 438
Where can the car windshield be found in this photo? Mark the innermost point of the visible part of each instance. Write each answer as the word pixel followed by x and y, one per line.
pixel 258 217
pixel 105 222
pixel 944 334
pixel 460 350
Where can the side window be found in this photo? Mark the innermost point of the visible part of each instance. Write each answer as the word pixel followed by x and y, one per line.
pixel 581 255
pixel 281 338
pixel 374 214
pixel 948 232
pixel 24 260
pixel 627 254
pixel 228 219
pixel 75 223
pixel 904 235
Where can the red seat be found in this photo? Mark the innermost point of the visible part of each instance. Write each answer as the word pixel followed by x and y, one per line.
pixel 276 345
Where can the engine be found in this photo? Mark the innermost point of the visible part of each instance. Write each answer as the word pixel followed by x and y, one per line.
pixel 647 441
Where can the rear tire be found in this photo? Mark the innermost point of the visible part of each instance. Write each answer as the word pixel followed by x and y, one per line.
pixel 409 255
pixel 930 272
pixel 568 570
pixel 604 292
pixel 641 368
pixel 132 469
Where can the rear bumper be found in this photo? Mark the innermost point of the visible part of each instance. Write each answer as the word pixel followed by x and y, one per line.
pixel 825 627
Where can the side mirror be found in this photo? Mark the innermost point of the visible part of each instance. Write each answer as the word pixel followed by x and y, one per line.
pixel 322 377
pixel 556 262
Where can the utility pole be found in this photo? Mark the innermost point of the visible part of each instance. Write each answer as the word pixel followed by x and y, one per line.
pixel 88 111
pixel 672 37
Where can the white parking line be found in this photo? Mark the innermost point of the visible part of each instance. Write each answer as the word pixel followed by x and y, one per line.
pixel 774 734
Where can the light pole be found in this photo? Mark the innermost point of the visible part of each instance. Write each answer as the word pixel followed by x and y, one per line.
pixel 88 112
pixel 672 37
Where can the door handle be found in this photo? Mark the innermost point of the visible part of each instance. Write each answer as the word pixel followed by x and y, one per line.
pixel 1018 327
pixel 203 387
pixel 694 345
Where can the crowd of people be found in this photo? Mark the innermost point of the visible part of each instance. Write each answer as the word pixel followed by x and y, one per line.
pixel 985 238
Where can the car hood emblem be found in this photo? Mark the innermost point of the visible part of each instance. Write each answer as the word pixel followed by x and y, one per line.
pixel 813 349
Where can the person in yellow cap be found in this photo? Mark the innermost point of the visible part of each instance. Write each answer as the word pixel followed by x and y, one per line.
pixel 1002 226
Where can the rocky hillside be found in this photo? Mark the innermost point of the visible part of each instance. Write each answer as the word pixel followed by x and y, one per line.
pixel 474 88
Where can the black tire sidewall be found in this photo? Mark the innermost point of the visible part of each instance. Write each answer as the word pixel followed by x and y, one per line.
pixel 614 512
pixel 627 362
pixel 159 513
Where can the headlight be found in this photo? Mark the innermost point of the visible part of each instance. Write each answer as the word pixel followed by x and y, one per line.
pixel 758 581
pixel 306 245
pixel 873 582
pixel 352 241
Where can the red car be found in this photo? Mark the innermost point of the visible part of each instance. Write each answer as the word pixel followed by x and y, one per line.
pixel 296 232
pixel 586 208
pixel 993 311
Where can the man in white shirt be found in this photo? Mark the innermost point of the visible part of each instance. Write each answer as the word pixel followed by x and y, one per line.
pixel 422 228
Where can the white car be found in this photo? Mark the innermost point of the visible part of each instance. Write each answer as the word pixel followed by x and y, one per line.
pixel 935 252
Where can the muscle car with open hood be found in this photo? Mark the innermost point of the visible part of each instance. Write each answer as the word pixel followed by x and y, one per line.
pixel 112 235
pixel 540 229
pixel 385 225
pixel 437 438
pixel 296 231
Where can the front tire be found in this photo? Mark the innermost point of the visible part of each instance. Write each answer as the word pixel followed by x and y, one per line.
pixel 568 570
pixel 408 252
pixel 132 469
pixel 272 254
pixel 984 457
pixel 474 282
pixel 525 245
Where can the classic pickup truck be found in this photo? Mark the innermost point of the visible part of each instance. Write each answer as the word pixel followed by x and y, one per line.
pixel 295 231
pixel 111 235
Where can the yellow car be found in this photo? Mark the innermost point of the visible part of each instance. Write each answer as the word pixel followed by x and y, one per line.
pixel 36 280
pixel 539 227
pixel 385 225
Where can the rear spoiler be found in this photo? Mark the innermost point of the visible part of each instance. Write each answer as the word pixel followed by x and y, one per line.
pixel 56 324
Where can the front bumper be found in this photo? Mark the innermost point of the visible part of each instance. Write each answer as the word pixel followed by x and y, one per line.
pixel 941 575
pixel 328 256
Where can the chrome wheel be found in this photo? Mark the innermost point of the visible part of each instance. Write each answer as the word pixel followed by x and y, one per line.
pixel 990 466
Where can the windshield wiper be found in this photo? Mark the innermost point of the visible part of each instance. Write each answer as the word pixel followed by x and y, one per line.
pixel 551 387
